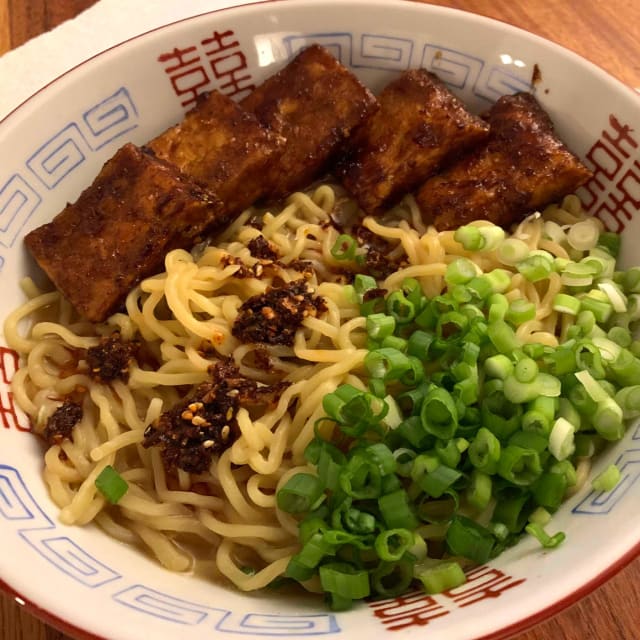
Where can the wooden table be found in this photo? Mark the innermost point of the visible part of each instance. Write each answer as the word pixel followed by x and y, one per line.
pixel 607 33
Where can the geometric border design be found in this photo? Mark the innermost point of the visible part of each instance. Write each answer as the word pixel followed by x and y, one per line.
pixel 18 201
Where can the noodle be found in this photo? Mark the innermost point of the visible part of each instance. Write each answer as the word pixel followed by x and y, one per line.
pixel 184 318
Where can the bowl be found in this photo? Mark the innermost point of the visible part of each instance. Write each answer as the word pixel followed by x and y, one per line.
pixel 93 586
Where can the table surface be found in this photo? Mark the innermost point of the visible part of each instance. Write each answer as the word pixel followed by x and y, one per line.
pixel 607 33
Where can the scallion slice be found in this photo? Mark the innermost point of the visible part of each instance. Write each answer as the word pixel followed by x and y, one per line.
pixel 442 577
pixel 607 479
pixel 111 484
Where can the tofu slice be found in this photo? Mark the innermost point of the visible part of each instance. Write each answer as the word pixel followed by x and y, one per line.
pixel 420 126
pixel 522 167
pixel 118 231
pixel 224 148
pixel 314 102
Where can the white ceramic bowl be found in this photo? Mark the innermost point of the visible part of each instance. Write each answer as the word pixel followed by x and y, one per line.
pixel 58 140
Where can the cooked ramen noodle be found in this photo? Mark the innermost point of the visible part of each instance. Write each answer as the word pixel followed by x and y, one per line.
pixel 183 319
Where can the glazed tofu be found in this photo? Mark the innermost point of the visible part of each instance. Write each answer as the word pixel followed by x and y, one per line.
pixel 522 167
pixel 420 126
pixel 315 103
pixel 118 231
pixel 224 148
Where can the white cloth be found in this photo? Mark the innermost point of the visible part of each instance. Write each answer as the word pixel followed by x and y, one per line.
pixel 30 67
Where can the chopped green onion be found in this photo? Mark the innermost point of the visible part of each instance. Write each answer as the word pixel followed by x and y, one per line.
pixel 484 451
pixel 563 303
pixel 361 478
pixel 469 237
pixel 607 420
pixel 493 236
pixel 555 232
pixel 460 271
pixel 314 550
pixel 526 370
pixel 448 451
pixel 439 414
pixel 300 493
pixel 380 325
pixel 549 490
pixel 595 390
pixel 512 251
pixel 394 342
pixel 530 440
pixel 629 400
pixel 498 366
pixel 396 511
pixel 547 541
pixel 439 480
pixel 535 421
pixel 400 308
pixel 566 469
pixel 503 337
pixel 363 283
pixel 392 544
pixel 297 571
pixel 419 343
pixel 601 309
pixel 442 577
pixel 499 280
pixel 513 512
pixel 567 411
pixel 583 235
pixel 468 539
pixel 620 336
pixel 479 490
pixel 519 466
pixel 543 384
pixel 391 579
pixel 540 516
pixel 577 274
pixel 631 280
pixel 610 242
pixel 450 325
pixel 520 311
pixel 386 363
pixel 111 484
pixel 344 580
pixel 561 439
pixel 625 369
pixel 498 307
pixel 607 480
pixel 393 417
pixel 617 299
pixel 344 247
pixel 535 268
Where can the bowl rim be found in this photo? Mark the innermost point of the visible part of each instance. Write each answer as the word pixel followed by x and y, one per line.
pixel 504 632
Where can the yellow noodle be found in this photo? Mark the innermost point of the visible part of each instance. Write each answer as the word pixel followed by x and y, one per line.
pixel 163 548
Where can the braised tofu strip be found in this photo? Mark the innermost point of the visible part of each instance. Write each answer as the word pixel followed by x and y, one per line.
pixel 522 167
pixel 419 126
pixel 223 147
pixel 315 103
pixel 119 230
